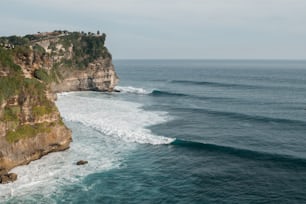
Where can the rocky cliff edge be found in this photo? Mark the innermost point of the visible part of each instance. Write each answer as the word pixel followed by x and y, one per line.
pixel 32 69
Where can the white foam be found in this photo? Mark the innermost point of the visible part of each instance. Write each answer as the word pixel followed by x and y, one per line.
pixel 131 89
pixel 119 119
pixel 120 125
pixel 46 175
pixel 65 93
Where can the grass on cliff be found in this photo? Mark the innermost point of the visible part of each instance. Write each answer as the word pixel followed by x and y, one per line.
pixel 42 75
pixel 24 89
pixel 14 84
pixel 27 131
pixel 39 49
pixel 42 110
pixel 7 63
pixel 10 116
pixel 20 86
pixel 11 113
pixel 9 86
pixel 50 76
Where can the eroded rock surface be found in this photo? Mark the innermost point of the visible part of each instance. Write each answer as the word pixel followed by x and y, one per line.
pixel 32 70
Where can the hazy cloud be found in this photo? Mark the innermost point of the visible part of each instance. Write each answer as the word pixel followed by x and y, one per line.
pixel 172 28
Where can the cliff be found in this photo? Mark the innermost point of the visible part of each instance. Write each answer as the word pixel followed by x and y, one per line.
pixel 32 69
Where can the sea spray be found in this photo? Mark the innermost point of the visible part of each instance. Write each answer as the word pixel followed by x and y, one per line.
pixel 104 132
pixel 45 176
pixel 131 89
pixel 120 119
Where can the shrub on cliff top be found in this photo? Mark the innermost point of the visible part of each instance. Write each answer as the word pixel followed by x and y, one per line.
pixel 86 48
pixel 17 40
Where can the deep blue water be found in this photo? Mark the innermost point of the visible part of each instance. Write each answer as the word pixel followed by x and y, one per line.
pixel 239 129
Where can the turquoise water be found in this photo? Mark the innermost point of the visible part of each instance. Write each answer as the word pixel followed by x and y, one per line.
pixel 180 132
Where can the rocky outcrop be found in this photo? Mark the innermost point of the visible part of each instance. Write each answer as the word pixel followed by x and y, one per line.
pixel 31 72
pixel 30 127
pixel 25 150
pixel 99 75
pixel 81 162
pixel 7 178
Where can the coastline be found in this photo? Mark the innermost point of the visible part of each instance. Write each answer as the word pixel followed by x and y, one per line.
pixel 32 74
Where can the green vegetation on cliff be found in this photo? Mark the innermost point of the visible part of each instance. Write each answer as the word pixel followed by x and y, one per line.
pixel 22 87
pixel 15 40
pixel 42 110
pixel 11 114
pixel 15 90
pixel 30 65
pixel 26 131
pixel 86 48
pixel 11 82
pixel 9 86
pixel 7 62
pixel 46 76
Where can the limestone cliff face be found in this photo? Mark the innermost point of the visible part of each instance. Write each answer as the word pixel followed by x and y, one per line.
pixel 32 69
pixel 72 61
pixel 24 151
pixel 99 75
pixel 30 127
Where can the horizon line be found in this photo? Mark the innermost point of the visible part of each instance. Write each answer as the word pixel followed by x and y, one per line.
pixel 211 59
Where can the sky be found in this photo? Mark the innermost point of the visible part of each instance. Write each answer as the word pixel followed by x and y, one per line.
pixel 171 29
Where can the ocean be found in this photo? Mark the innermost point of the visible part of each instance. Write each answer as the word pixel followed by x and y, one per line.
pixel 180 131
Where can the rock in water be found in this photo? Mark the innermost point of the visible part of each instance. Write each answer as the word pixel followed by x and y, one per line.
pixel 13 177
pixel 4 179
pixel 81 162
pixel 3 171
pixel 7 178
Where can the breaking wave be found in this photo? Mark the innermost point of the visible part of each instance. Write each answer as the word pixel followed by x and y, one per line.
pixel 215 84
pixel 131 89
pixel 44 177
pixel 243 153
pixel 120 119
pixel 104 131
pixel 166 93
pixel 246 117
